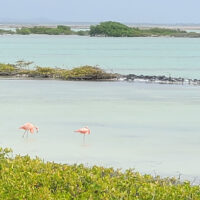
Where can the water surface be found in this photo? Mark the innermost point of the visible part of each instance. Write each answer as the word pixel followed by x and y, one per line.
pixel 150 127
pixel 159 56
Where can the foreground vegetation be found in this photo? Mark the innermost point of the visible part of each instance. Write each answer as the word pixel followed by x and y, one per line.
pixel 21 70
pixel 115 29
pixel 24 178
pixel 108 29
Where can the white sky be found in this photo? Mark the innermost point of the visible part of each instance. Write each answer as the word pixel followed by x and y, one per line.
pixel 135 11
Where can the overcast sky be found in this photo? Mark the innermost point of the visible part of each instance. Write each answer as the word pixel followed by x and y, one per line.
pixel 135 11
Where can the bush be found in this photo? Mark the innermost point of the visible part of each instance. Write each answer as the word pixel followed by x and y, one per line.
pixel 82 33
pixel 87 73
pixel 2 31
pixel 109 28
pixel 116 29
pixel 59 30
pixel 21 69
pixel 23 31
pixel 7 68
pixel 24 178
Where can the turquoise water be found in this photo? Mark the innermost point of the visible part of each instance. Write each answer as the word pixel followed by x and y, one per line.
pixel 194 30
pixel 160 56
pixel 153 128
pixel 150 127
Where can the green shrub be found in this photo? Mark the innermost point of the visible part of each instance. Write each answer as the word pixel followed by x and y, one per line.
pixel 110 28
pixel 21 68
pixel 47 72
pixel 7 68
pixel 2 31
pixel 59 30
pixel 82 33
pixel 23 31
pixel 24 178
pixel 116 29
pixel 87 73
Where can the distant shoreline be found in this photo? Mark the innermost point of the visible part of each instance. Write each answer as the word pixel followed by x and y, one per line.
pixel 104 29
pixel 87 26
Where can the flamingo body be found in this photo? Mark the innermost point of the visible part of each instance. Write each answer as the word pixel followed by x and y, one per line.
pixel 28 127
pixel 84 130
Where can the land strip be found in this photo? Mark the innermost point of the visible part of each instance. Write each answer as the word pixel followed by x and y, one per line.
pixel 104 29
pixel 21 70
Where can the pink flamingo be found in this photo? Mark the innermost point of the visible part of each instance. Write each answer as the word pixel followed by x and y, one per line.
pixel 85 131
pixel 28 127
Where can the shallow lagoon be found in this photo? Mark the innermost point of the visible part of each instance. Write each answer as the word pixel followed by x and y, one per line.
pixel 150 127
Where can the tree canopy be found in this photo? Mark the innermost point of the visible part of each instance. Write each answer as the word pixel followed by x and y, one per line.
pixel 59 30
pixel 116 29
pixel 105 29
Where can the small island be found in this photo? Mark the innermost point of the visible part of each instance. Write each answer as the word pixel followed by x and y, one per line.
pixel 116 29
pixel 104 29
pixel 22 70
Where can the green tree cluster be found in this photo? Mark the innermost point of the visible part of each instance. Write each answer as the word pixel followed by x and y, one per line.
pixel 2 31
pixel 116 29
pixel 59 30
pixel 106 29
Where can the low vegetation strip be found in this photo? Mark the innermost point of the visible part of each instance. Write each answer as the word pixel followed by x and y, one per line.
pixel 104 29
pixel 22 177
pixel 59 30
pixel 21 70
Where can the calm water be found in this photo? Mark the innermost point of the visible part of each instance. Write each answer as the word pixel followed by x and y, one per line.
pixel 194 30
pixel 150 127
pixel 164 56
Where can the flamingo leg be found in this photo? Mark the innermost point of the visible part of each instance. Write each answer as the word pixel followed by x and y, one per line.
pixel 24 133
pixel 84 139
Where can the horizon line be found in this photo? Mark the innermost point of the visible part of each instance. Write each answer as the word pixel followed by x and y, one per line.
pixel 20 22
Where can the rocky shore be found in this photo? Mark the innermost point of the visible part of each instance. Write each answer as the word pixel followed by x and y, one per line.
pixel 84 73
pixel 106 77
pixel 160 79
